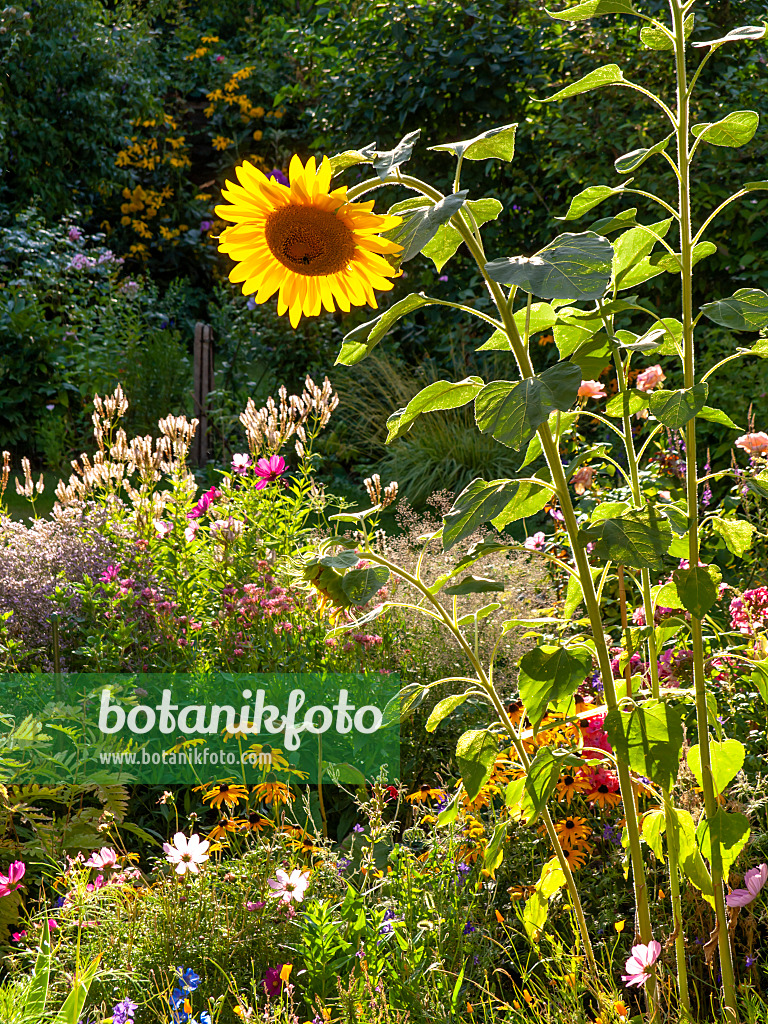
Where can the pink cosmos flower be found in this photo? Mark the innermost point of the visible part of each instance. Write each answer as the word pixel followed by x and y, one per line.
pixel 241 463
pixel 268 470
pixel 754 444
pixel 286 888
pixel 163 529
pixel 258 905
pixel 754 880
pixel 648 379
pixel 536 542
pixel 104 858
pixel 12 881
pixel 637 966
pixel 186 854
pixel 204 503
pixel 18 936
pixel 591 389
pixel 273 980
pixel 191 530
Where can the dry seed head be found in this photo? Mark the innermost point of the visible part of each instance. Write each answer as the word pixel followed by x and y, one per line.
pixel 5 474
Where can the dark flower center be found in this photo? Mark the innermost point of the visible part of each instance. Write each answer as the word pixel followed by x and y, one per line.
pixel 309 241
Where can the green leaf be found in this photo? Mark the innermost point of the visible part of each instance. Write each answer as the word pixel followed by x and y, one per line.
pixel 592 356
pixel 758 484
pixel 482 613
pixel 451 812
pixel 734 130
pixel 672 263
pixel 475 585
pixel 639 538
pixel 420 224
pixel 71 1010
pixel 655 39
pixel 448 237
pixel 494 852
pixel 593 9
pixel 623 220
pixel 363 339
pixel 588 199
pixel 36 993
pixel 360 585
pixel 343 560
pixel 542 778
pixel 626 403
pixel 476 755
pixel 497 143
pixel 760 678
pixel 718 416
pixel 443 708
pixel 383 162
pixel 572 267
pixel 564 425
pixel 609 74
pixel 511 411
pixel 437 397
pixel 649 738
pixel 727 760
pixel 738 534
pixel 755 186
pixel 745 310
pixel 736 35
pixel 675 408
pixel 549 673
pixel 537 907
pixel 543 316
pixel 630 248
pixel 654 824
pixel 681 832
pixel 350 157
pixel 574 593
pixel 730 831
pixel 696 589
pixel 496 501
pixel 631 161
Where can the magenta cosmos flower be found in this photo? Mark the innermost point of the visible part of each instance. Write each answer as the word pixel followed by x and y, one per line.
pixel 268 470
pixel 754 880
pixel 186 854
pixel 287 888
pixel 106 857
pixel 12 881
pixel 638 965
pixel 204 503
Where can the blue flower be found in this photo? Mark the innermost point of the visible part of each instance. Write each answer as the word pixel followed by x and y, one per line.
pixel 750 961
pixel 469 928
pixel 187 978
pixel 124 1011
pixel 177 998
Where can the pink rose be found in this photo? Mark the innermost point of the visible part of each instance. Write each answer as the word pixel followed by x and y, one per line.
pixel 591 389
pixel 648 379
pixel 755 444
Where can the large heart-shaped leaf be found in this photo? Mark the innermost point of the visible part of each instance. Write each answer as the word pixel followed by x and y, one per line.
pixel 497 143
pixel 649 738
pixel 609 74
pixel 697 588
pixel 511 411
pixel 350 157
pixel 675 408
pixel 734 130
pixel 436 397
pixel 448 238
pixel 745 310
pixel 363 339
pixel 550 673
pixel 443 708
pixel 496 501
pixel 630 248
pixel 639 538
pixel 420 224
pixel 660 39
pixel 589 198
pixel 737 534
pixel 360 585
pixel 574 267
pixel 542 778
pixel 730 830
pixel 476 754
pixel 383 162
pixel 681 832
pixel 475 585
pixel 727 760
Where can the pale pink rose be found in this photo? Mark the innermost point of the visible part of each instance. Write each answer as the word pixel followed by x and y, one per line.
pixel 287 887
pixel 582 479
pixel 648 379
pixel 591 389
pixel 186 854
pixel 755 444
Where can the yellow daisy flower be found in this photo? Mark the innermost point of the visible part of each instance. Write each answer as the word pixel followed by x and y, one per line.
pixel 224 793
pixel 308 242
pixel 572 831
pixel 425 792
pixel 569 786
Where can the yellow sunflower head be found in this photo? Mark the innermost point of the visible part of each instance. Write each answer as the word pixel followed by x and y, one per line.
pixel 310 243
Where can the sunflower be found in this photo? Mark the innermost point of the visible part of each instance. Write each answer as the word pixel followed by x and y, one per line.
pixel 425 792
pixel 576 858
pixel 569 785
pixel 224 793
pixel 311 244
pixel 572 831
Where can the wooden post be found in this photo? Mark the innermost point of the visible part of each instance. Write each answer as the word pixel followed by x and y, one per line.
pixel 203 383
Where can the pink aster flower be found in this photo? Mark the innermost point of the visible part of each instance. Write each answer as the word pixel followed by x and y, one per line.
pixel 754 444
pixel 241 464
pixel 536 542
pixel 638 965
pixel 591 389
pixel 186 854
pixel 104 858
pixel 286 888
pixel 268 470
pixel 648 379
pixel 754 880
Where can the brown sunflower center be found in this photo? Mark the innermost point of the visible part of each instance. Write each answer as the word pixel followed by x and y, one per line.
pixel 309 241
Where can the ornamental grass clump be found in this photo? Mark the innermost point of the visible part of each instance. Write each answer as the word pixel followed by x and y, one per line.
pixel 585 287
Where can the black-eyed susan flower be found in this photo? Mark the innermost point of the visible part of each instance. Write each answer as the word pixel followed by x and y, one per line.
pixel 309 243
pixel 255 822
pixel 273 793
pixel 425 792
pixel 572 831
pixel 604 796
pixel 306 845
pixel 222 827
pixel 568 786
pixel 576 858
pixel 224 793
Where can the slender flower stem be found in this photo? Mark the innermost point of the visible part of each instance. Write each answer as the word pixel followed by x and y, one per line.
pixel 686 250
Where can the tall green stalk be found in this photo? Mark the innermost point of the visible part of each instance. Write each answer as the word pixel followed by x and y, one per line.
pixel 678 10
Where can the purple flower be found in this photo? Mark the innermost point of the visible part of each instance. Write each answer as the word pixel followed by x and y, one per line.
pixel 750 961
pixel 278 175
pixel 754 880
pixel 124 1011
pixel 443 277
pixel 74 234
pixel 358 828
pixel 268 470
pixel 251 303
pixel 205 225
pixel 469 928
